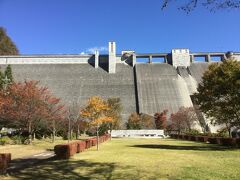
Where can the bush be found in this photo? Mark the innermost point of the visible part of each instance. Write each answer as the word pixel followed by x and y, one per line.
pixel 94 141
pixel 185 137
pixel 175 136
pixel 5 140
pixel 228 141
pixel 193 132
pixel 214 140
pixel 73 148
pixel 62 151
pixel 88 144
pixel 18 139
pixel 81 146
pixel 238 142
pixel 4 162
pixel 201 138
pixel 191 138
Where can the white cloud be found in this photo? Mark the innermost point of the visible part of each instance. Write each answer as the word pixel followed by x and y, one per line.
pixel 93 49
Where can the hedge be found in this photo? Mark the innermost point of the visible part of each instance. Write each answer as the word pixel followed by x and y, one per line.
pixel 235 142
pixel 65 151
pixel 5 159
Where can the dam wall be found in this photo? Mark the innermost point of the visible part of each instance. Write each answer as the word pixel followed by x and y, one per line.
pixel 145 87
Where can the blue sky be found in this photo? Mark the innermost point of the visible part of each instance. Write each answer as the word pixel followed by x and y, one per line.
pixel 76 26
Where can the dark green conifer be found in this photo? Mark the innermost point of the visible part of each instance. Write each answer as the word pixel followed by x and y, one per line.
pixel 8 74
pixel 1 80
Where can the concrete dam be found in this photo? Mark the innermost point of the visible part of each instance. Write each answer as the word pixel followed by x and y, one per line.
pixel 145 83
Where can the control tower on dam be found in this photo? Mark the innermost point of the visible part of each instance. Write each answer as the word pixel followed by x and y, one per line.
pixel 145 83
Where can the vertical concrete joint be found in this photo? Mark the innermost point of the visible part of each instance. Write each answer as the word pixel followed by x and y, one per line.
pixel 112 57
pixel 96 63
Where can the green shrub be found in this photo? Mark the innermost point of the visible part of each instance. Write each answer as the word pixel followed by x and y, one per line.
pixel 222 133
pixel 18 139
pixel 193 132
pixel 5 140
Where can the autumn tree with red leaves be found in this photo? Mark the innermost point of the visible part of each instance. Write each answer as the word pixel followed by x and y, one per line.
pixel 184 120
pixel 161 119
pixel 25 105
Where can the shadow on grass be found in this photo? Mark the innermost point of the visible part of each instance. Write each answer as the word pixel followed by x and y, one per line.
pixel 73 169
pixel 176 147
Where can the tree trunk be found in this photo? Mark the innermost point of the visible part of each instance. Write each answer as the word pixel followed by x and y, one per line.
pixel 97 138
pixel 53 136
pixel 71 133
pixel 54 132
pixel 34 136
pixel 229 132
pixel 110 134
pixel 69 129
pixel 78 132
pixel 30 132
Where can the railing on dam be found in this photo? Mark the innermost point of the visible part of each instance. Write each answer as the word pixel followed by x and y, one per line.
pixel 138 133
pixel 177 57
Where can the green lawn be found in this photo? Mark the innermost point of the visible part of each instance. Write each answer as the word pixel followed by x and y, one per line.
pixel 143 159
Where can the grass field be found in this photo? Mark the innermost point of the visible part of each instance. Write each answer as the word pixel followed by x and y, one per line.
pixel 142 159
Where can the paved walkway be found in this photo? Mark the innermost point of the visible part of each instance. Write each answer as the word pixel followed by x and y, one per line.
pixel 21 163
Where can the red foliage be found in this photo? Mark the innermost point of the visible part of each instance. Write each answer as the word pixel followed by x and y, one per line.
pixel 184 119
pixel 65 151
pixel 4 162
pixel 161 119
pixel 228 141
pixel 235 142
pixel 201 138
pixel 25 104
pixel 81 146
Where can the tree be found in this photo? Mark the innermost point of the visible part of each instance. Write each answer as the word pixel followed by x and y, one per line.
pixel 219 96
pixel 25 106
pixel 56 113
pixel 6 78
pixel 140 121
pixel 96 113
pixel 147 121
pixel 115 109
pixel 75 121
pixel 7 46
pixel 183 120
pixel 1 80
pixel 212 5
pixel 134 121
pixel 161 119
pixel 8 74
